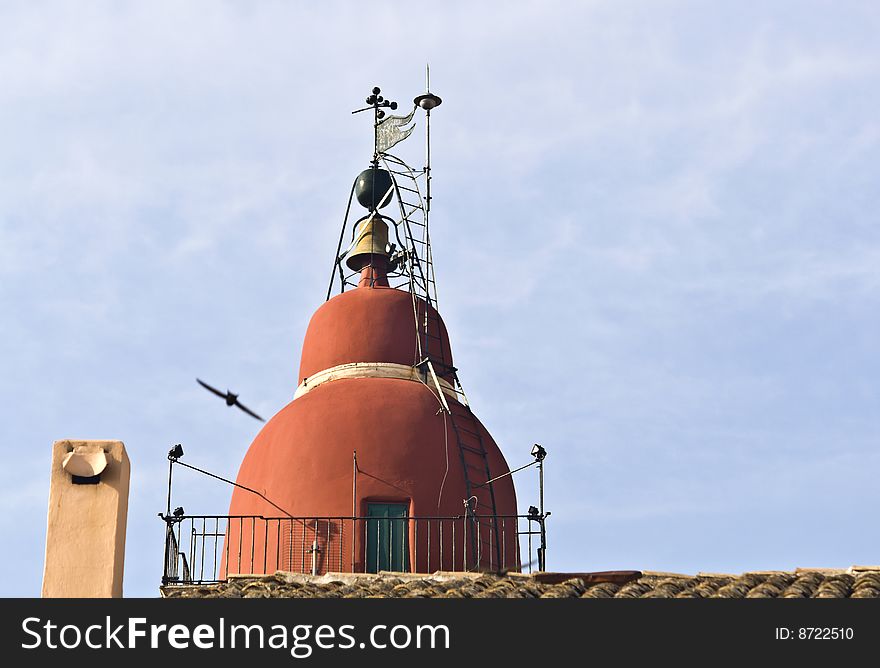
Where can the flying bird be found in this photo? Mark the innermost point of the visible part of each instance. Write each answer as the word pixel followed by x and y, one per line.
pixel 231 399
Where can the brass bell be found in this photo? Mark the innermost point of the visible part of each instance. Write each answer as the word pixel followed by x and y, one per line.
pixel 370 241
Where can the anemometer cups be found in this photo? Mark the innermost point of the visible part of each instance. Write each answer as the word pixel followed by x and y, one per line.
pixel 374 188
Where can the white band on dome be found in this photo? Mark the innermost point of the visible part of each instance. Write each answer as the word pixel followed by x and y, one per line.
pixel 370 370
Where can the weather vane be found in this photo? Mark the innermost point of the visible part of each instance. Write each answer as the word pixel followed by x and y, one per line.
pixel 387 132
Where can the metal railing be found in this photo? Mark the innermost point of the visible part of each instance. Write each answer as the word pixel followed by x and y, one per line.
pixel 202 549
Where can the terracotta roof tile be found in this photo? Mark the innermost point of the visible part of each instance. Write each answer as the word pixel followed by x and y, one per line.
pixel 861 582
pixel 866 585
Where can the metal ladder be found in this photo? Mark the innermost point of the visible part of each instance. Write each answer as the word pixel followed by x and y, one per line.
pixel 419 268
pixel 475 469
pixel 413 224
pixel 475 465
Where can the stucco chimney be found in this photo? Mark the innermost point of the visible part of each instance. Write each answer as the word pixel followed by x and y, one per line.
pixel 88 507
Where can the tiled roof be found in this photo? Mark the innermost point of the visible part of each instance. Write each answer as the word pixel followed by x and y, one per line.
pixel 856 582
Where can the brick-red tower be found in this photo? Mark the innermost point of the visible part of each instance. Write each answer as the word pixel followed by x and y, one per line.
pixel 376 378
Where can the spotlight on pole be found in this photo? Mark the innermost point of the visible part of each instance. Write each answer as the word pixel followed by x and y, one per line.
pixel 175 453
pixel 179 511
pixel 539 453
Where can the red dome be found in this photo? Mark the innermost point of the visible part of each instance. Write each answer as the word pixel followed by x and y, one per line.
pixel 410 454
pixel 302 459
pixel 372 325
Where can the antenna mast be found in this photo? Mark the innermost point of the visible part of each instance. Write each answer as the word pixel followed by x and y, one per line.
pixel 427 102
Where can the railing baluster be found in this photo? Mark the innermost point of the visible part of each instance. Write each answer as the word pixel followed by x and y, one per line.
pixel 204 537
pixel 366 543
pixel 440 528
pixel 479 543
pixel 453 544
pixel 278 545
pixel 391 555
pixel 290 545
pixel 240 543
pixel 253 542
pixel 530 546
pixel 489 522
pixel 464 544
pixel 226 548
pixel 503 544
pixel 192 548
pixel 216 537
pixel 314 569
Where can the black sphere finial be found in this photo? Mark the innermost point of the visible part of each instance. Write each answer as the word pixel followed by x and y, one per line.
pixel 373 188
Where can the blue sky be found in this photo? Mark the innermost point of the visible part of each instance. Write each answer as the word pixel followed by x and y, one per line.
pixel 655 231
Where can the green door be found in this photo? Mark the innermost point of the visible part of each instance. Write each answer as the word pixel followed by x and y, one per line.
pixel 387 529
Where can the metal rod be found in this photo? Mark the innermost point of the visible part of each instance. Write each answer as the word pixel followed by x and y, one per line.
pixel 337 261
pixel 530 550
pixel 366 545
pixel 376 135
pixel 214 570
pixel 204 534
pixel 193 550
pixel 290 526
pixel 354 473
pixel 427 146
pixel 221 478
pixel 509 473
pixel 170 471
pixel 503 544
pixel 541 487
pixel 542 552
pixel 315 548
pixel 465 561
pixel 453 545
pixel 226 562
pixel 179 533
pixel 490 545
